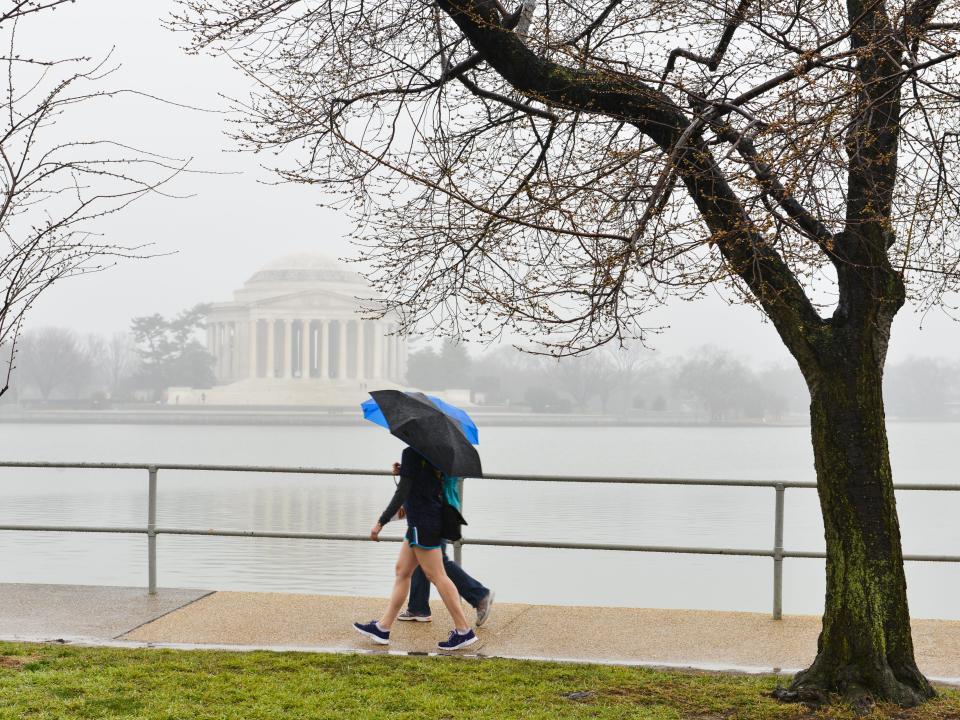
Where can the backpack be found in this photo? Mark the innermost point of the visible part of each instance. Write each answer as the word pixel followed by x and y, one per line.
pixel 451 519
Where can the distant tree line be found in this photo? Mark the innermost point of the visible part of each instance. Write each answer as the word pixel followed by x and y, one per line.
pixel 712 383
pixel 156 353
pixel 54 363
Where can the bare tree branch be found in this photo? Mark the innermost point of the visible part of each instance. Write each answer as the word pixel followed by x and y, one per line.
pixel 735 170
pixel 54 188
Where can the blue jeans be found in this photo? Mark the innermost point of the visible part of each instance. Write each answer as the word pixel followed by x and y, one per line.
pixel 470 590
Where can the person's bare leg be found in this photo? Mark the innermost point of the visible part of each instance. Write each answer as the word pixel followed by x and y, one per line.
pixel 406 564
pixel 432 563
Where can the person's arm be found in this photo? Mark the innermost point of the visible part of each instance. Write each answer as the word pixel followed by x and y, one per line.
pixel 403 489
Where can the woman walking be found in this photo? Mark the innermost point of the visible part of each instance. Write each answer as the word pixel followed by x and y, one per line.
pixel 420 493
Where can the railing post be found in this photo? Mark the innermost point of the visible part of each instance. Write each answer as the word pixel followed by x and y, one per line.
pixel 152 531
pixel 778 554
pixel 458 545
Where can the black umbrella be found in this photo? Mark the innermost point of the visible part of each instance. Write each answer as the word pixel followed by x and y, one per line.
pixel 430 431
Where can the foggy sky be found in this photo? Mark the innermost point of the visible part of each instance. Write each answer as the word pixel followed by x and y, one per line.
pixel 238 222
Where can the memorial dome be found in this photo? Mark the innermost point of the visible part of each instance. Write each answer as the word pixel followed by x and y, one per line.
pixel 306 267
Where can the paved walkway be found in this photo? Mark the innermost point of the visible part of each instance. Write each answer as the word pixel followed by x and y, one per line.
pixel 689 638
pixel 82 613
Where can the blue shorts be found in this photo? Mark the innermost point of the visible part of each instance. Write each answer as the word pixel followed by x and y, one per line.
pixel 425 539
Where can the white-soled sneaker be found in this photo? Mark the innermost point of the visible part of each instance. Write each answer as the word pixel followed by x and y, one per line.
pixel 373 631
pixel 458 641
pixel 414 617
pixel 483 609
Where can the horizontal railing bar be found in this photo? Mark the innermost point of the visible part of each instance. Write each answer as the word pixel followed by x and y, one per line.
pixel 812 554
pixel 718 482
pixel 932 558
pixel 76 465
pixel 909 557
pixel 651 480
pixel 667 549
pixel 189 466
pixel 74 528
pixel 271 534
pixel 626 548
pixel 274 469
pixel 681 550
pixel 925 486
pixel 473 541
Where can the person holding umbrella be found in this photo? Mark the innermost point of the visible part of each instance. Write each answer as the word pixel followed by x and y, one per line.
pixel 470 589
pixel 439 435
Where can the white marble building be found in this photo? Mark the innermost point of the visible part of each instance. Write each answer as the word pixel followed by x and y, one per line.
pixel 293 335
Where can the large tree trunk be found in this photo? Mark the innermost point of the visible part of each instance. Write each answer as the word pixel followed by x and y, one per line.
pixel 865 648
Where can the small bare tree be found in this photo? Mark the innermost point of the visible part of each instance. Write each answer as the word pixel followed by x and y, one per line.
pixel 562 167
pixel 54 359
pixel 586 378
pixel 55 185
pixel 122 361
pixel 629 360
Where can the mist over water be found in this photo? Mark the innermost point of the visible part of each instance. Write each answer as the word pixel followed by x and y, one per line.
pixel 661 515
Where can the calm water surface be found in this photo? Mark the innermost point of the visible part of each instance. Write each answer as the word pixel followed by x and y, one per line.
pixel 731 517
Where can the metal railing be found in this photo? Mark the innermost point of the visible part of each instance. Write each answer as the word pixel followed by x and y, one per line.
pixel 777 552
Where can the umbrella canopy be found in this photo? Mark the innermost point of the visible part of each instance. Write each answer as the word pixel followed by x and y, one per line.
pixel 426 427
pixel 466 423
pixel 372 412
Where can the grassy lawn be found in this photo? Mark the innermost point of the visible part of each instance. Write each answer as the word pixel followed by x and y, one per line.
pixel 53 681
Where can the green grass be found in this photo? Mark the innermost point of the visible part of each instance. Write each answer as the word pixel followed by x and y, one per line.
pixel 54 681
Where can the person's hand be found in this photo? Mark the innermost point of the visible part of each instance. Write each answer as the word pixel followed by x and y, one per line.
pixel 396 469
pixel 375 532
pixel 401 513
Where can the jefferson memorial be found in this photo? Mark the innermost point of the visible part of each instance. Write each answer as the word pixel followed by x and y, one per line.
pixel 293 334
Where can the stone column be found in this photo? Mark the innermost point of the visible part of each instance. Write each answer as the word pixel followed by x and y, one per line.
pixel 324 350
pixel 271 370
pixel 287 369
pixel 361 371
pixel 221 352
pixel 239 337
pixel 396 353
pixel 227 357
pixel 377 350
pixel 253 349
pixel 232 350
pixel 212 342
pixel 225 344
pixel 215 350
pixel 240 349
pixel 305 349
pixel 342 351
pixel 391 353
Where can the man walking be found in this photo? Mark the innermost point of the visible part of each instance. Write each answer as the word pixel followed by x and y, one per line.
pixel 470 589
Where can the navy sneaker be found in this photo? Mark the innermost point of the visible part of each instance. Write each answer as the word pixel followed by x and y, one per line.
pixel 372 631
pixel 458 641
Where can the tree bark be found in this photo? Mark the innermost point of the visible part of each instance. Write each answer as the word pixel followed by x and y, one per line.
pixel 865 650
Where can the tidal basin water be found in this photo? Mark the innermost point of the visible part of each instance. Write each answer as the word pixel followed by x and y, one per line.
pixel 661 515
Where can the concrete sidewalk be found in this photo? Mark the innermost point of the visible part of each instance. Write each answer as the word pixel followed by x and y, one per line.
pixel 82 613
pixel 687 638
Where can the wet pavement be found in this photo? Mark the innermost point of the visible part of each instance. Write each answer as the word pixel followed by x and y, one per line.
pixel 81 613
pixel 676 638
